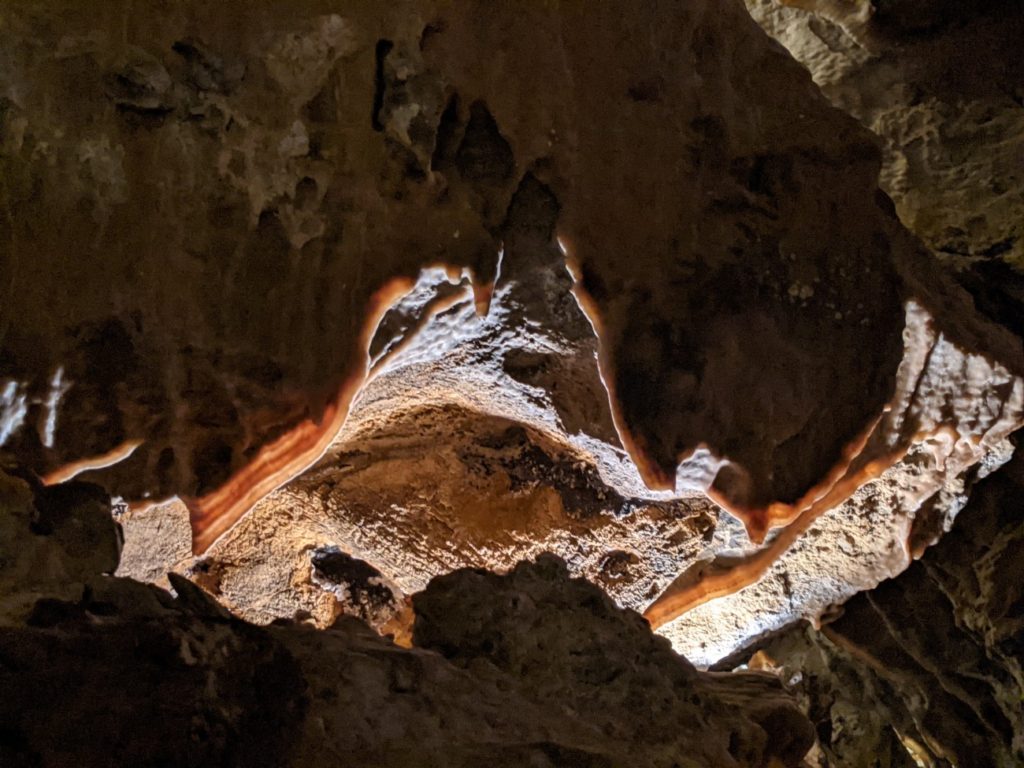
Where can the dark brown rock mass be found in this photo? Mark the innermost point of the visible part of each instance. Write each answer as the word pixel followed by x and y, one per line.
pixel 122 673
pixel 240 196
pixel 929 663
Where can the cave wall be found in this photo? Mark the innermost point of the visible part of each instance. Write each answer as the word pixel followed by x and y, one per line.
pixel 940 84
pixel 530 667
pixel 209 239
pixel 411 288
pixel 931 657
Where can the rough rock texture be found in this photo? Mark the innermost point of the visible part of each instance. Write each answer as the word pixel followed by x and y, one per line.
pixel 145 678
pixel 480 442
pixel 421 491
pixel 942 83
pixel 930 659
pixel 612 662
pixel 223 222
pixel 52 541
pixel 765 267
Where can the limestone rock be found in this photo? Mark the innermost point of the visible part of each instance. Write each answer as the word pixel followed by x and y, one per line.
pixel 122 673
pixel 209 692
pixel 390 147
pixel 929 660
pixel 940 83
pixel 418 491
pixel 225 222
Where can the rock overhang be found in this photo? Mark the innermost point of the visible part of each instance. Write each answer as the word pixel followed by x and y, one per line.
pixel 239 209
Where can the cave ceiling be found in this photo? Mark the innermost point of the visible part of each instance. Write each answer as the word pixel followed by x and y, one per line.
pixel 435 285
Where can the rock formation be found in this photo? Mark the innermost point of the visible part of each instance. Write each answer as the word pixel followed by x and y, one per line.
pixel 949 117
pixel 182 682
pixel 336 299
pixel 930 659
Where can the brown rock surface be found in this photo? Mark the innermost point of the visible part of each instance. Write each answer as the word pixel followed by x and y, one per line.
pixel 232 186
pixel 223 223
pixel 930 659
pixel 51 541
pixel 122 673
pixel 941 84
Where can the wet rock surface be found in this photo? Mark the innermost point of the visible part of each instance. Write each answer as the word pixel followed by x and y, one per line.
pixel 434 489
pixel 440 490
pixel 211 210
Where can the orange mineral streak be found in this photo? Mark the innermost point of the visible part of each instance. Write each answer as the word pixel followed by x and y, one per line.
pixel 282 460
pixel 715 579
pixel 759 520
pixel 483 294
pixel 432 309
pixel 654 476
pixel 75 468
pixel 718 579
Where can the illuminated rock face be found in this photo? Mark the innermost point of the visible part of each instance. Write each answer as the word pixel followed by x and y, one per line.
pixel 221 227
pixel 418 491
pixel 929 663
pixel 114 671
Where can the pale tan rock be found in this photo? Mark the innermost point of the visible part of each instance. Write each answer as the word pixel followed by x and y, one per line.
pixel 939 82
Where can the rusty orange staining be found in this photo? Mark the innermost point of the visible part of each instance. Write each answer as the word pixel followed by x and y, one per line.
pixel 483 294
pixel 708 581
pixel 278 462
pixel 654 476
pixel 75 468
pixel 758 521
pixel 718 579
pixel 714 580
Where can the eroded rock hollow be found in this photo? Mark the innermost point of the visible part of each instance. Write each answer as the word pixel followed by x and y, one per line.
pixel 413 314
